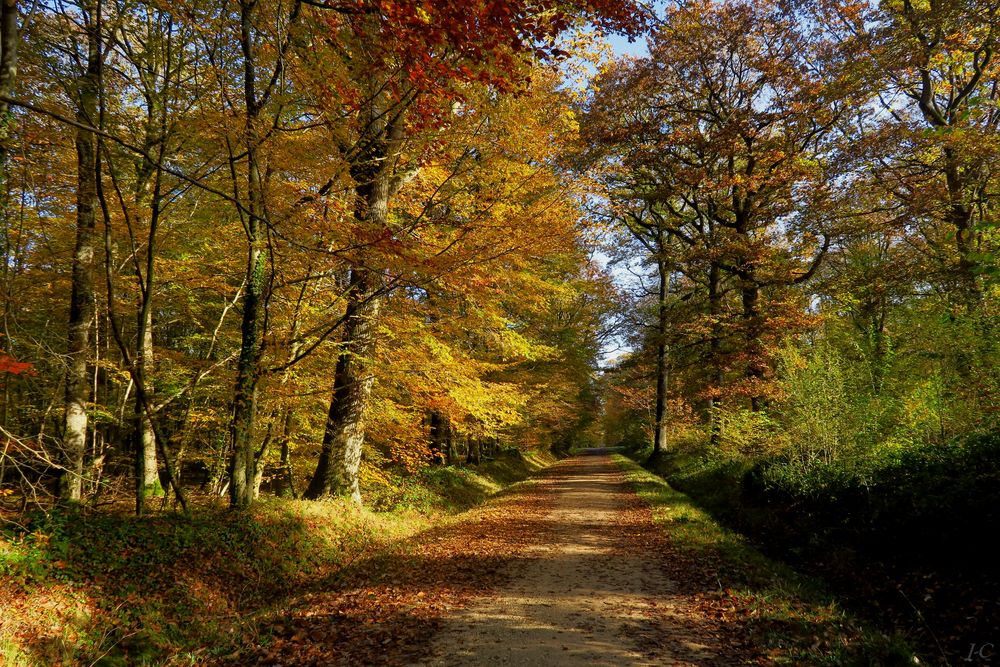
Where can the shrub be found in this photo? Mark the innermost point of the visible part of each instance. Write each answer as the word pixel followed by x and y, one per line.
pixel 745 435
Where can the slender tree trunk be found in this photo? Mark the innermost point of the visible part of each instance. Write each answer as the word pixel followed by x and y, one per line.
pixel 9 39
pixel 81 311
pixel 873 328
pixel 147 481
pixel 437 438
pixel 755 370
pixel 147 472
pixel 286 485
pixel 149 196
pixel 662 360
pixel 242 466
pixel 715 349
pixel 449 443
pixel 260 460
pixel 442 443
pixel 960 216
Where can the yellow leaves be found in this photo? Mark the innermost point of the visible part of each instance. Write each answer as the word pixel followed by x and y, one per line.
pixel 514 346
pixel 492 405
pixel 570 121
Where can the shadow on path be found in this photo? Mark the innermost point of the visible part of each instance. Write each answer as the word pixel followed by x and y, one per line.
pixel 593 593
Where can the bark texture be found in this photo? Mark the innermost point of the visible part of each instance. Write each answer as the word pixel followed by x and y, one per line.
pixel 9 38
pixel 340 457
pixel 242 463
pixel 375 184
pixel 662 360
pixel 81 309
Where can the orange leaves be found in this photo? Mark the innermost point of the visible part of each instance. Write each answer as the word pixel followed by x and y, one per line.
pixel 13 367
pixel 713 154
pixel 439 46
pixel 385 609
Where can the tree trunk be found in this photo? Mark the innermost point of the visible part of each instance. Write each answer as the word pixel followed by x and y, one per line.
pixel 960 216
pixel 81 310
pixel 715 349
pixel 242 466
pixel 474 454
pixel 148 196
pixel 662 361
pixel 260 462
pixel 340 456
pixel 449 443
pixel 755 370
pixel 285 485
pixel 147 473
pixel 9 38
pixel 441 450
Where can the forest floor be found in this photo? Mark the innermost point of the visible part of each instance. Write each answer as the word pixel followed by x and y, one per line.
pixel 580 566
pixel 592 560
pixel 594 591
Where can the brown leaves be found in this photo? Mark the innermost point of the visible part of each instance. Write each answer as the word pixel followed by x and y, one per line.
pixel 387 607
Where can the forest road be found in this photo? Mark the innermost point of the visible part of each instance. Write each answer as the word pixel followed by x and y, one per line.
pixel 590 592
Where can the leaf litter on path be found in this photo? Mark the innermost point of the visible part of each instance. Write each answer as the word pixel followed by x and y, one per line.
pixel 567 570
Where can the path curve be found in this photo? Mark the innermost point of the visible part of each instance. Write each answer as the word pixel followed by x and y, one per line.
pixel 592 591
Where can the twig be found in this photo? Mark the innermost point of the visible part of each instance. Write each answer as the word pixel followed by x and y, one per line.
pixel 923 620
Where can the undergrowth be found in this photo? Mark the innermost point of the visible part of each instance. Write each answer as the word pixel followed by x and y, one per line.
pixel 452 488
pixel 791 618
pixel 106 588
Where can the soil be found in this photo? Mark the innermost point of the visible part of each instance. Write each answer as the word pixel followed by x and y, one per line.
pixel 568 569
pixel 593 592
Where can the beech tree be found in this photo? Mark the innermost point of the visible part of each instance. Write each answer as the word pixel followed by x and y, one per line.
pixel 85 95
pixel 719 141
pixel 365 157
pixel 9 38
pixel 931 71
pixel 393 103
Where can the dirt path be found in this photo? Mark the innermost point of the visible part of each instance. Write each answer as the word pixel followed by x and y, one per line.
pixel 594 592
pixel 565 570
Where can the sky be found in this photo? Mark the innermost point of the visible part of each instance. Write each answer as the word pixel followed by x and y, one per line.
pixel 616 347
pixel 622 47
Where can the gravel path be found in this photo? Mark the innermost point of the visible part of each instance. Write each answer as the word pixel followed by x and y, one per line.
pixel 592 592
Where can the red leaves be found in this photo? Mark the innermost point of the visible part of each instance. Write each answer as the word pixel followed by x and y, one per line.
pixel 10 365
pixel 443 44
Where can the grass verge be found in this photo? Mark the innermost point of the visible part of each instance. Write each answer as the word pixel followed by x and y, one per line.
pixel 789 618
pixel 105 588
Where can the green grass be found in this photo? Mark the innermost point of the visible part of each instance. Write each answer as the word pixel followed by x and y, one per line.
pixel 453 488
pixel 100 588
pixel 790 617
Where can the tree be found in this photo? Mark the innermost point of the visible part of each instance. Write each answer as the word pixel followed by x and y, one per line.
pixel 931 71
pixel 397 103
pixel 721 144
pixel 81 304
pixel 308 135
pixel 9 38
pixel 157 53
